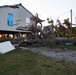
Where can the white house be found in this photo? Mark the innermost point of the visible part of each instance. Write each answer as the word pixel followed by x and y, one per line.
pixel 15 18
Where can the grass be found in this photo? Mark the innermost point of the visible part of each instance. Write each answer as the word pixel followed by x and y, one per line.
pixel 71 47
pixel 24 62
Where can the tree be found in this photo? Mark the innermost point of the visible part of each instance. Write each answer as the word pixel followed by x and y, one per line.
pixel 51 22
pixel 68 25
pixel 60 29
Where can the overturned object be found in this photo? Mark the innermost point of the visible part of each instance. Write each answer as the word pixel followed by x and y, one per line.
pixel 6 47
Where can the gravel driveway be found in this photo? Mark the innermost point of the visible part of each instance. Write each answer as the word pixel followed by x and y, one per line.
pixel 68 55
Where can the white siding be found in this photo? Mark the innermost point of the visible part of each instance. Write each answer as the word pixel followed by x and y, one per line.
pixel 20 15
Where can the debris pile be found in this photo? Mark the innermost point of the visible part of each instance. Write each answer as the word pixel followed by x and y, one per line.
pixel 39 37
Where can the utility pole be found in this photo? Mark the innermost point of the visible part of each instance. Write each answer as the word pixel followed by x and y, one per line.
pixel 71 23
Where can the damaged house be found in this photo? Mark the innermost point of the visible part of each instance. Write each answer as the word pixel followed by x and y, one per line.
pixel 15 19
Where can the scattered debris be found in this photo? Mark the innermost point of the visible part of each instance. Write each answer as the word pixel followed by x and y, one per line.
pixel 68 43
pixel 5 47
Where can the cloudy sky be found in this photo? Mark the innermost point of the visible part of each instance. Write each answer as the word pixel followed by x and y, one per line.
pixel 54 9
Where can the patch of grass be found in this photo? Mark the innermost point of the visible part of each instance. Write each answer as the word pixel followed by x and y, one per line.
pixel 72 47
pixel 24 62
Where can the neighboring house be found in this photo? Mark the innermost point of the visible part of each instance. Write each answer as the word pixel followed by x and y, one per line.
pixel 15 18
pixel 47 29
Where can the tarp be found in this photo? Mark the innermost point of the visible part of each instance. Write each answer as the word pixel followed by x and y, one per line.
pixel 6 47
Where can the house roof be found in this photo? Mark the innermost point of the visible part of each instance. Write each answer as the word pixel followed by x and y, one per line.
pixel 16 6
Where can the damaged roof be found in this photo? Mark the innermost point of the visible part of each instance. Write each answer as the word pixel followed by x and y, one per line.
pixel 15 6
pixel 11 6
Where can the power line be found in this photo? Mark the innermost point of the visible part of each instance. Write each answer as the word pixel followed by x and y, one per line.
pixel 62 15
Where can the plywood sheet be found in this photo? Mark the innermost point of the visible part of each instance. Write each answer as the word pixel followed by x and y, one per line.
pixel 6 47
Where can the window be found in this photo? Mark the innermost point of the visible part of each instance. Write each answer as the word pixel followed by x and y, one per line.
pixel 10 19
pixel 27 21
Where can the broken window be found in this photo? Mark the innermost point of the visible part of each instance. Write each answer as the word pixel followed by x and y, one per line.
pixel 10 19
